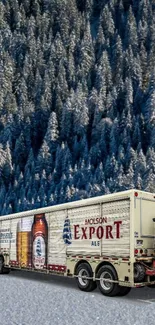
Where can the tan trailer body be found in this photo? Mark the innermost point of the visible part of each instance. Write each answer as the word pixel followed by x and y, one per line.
pixel 115 229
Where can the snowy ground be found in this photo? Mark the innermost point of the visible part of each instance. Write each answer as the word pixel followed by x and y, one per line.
pixel 37 299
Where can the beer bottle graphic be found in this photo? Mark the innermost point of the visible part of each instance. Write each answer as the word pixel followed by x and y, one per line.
pixel 39 241
pixel 23 242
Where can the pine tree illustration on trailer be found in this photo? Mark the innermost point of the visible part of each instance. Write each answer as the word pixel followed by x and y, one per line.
pixel 67 235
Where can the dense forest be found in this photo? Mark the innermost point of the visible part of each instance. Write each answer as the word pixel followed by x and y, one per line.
pixel 77 100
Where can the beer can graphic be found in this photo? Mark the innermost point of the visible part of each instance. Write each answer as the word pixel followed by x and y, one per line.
pixel 23 243
pixel 39 241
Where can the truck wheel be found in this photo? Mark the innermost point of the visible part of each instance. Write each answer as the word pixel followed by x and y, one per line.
pixel 152 286
pixel 85 284
pixel 108 288
pixel 1 265
pixel 139 272
pixel 124 291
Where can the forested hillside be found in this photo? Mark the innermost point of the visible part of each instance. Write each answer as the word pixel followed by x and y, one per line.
pixel 77 100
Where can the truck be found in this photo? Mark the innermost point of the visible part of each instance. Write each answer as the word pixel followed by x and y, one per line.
pixel 106 241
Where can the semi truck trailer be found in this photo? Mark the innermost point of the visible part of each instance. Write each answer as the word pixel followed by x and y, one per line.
pixel 106 241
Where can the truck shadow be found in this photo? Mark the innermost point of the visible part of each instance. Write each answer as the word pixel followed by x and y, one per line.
pixel 43 277
pixel 142 294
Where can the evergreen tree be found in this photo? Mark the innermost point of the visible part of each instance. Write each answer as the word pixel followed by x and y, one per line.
pixel 131 32
pixel 77 100
pixel 80 114
pixel 107 23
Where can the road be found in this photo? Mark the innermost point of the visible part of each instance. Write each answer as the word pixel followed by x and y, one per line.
pixel 38 299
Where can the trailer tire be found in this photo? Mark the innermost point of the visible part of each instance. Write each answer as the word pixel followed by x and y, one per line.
pixel 124 291
pixel 87 285
pixel 109 289
pixel 139 272
pixel 151 286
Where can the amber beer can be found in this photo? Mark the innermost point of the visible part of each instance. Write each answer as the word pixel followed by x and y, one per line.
pixel 39 241
pixel 23 242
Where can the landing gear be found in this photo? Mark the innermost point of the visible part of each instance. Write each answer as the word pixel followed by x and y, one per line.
pixel 3 269
pixel 1 264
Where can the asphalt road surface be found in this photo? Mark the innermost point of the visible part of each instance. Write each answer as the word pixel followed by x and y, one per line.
pixel 38 299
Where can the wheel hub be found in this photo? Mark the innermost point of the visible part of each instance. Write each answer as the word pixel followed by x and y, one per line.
pixel 105 284
pixel 83 273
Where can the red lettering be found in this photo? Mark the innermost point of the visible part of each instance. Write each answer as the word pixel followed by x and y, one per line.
pixel 118 224
pixel 84 236
pixel 91 232
pixel 95 221
pixel 76 231
pixel 100 232
pixel 108 232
